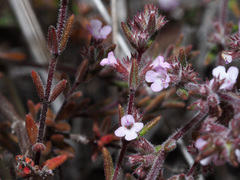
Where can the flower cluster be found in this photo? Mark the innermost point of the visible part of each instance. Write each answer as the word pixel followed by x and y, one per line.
pixel 234 51
pixel 217 147
pixel 97 31
pixel 142 30
pixel 158 76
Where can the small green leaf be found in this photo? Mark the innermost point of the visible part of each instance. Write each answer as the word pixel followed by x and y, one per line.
pixel 133 79
pixel 149 126
pixel 182 58
pixel 108 164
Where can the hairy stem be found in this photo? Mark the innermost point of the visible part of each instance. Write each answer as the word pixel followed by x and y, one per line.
pixel 192 169
pixel 157 165
pixel 120 159
pixel 140 53
pixel 61 18
pixel 189 125
pixel 130 102
pixel 223 12
pixel 43 114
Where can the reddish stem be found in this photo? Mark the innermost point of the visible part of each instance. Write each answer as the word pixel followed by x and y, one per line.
pixel 223 13
pixel 130 102
pixel 192 169
pixel 158 163
pixel 120 159
pixel 189 125
pixel 61 19
pixel 43 114
pixel 140 53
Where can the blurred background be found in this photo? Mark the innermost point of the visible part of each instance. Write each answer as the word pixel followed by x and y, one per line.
pixel 23 33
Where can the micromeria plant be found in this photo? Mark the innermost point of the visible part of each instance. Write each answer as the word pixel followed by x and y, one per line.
pixel 44 136
pixel 57 40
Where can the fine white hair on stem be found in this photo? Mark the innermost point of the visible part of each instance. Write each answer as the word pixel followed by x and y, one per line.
pixel 34 36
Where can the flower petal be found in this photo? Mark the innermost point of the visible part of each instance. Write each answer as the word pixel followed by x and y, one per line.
pixel 157 86
pixel 131 135
pixel 127 120
pixel 206 161
pixel 157 61
pixel 111 58
pixel 200 142
pixel 237 152
pixel 137 126
pixel 96 24
pixel 220 70
pixel 151 76
pixel 120 132
pixel 106 30
pixel 232 72
pixel 104 62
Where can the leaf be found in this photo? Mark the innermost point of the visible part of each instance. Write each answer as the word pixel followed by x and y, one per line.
pixel 57 138
pixel 15 56
pixel 66 32
pixel 68 85
pixel 81 70
pixel 58 89
pixel 151 24
pixel 52 40
pixel 38 84
pixel 133 79
pixel 149 126
pixel 120 113
pixel 108 164
pixel 128 34
pixel 182 58
pixel 31 108
pixel 55 162
pixel 62 126
pixel 108 139
pixel 32 129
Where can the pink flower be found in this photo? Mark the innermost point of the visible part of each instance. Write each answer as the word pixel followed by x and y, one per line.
pixel 200 143
pixel 227 56
pixel 168 5
pixel 158 75
pixel 129 128
pixel 237 153
pixel 230 76
pixel 110 60
pixel 158 79
pixel 97 31
pixel 159 63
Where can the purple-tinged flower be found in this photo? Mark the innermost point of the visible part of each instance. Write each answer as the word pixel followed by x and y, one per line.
pixel 168 5
pixel 237 153
pixel 200 145
pixel 129 128
pixel 159 63
pixel 110 60
pixel 159 79
pixel 158 75
pixel 97 31
pixel 227 56
pixel 230 76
